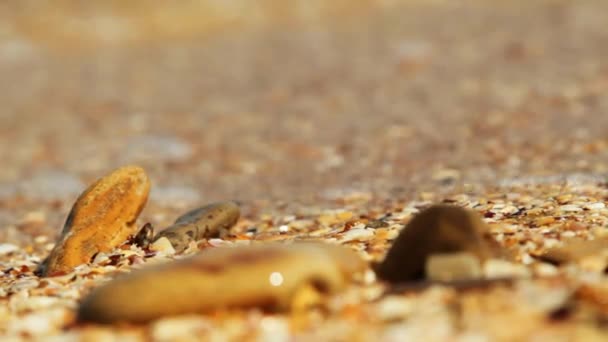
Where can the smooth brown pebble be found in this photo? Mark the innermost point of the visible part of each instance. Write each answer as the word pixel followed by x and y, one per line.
pixel 266 276
pixel 201 223
pixel 102 218
pixel 437 230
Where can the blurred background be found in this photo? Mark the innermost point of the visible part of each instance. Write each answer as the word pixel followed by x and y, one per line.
pixel 300 100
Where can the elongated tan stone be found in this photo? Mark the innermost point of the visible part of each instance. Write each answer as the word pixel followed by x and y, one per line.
pixel 266 276
pixel 201 223
pixel 439 229
pixel 102 218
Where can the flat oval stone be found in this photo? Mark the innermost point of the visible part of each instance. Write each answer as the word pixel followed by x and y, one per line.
pixel 102 218
pixel 439 229
pixel 201 223
pixel 265 276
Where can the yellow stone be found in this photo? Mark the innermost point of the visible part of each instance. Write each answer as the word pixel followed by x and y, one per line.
pixel 102 218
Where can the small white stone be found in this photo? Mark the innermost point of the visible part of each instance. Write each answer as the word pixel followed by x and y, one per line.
pixel 41 239
pixel 163 246
pixel 359 234
pixel 36 324
pixel 369 277
pixel 509 210
pixel 100 257
pixel 25 284
pixel 526 259
pixel 218 242
pixel 453 266
pixel 550 243
pixel 595 206
pixel 34 216
pixel 273 330
pixel 7 248
pixel 546 270
pixel 300 224
pixel 495 268
pixel 284 228
pixel 36 303
pixel 394 308
pixel 289 218
pixel 570 208
pixel 178 328
pixel 541 298
pixel 568 234
pixel 498 207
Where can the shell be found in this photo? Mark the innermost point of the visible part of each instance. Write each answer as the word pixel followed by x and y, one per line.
pixel 439 229
pixel 102 218
pixel 201 223
pixel 266 276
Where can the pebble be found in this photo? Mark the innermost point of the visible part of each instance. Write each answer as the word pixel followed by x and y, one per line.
pixel 357 234
pixel 394 308
pixel 7 248
pixel 273 329
pixel 201 223
pixel 34 324
pixel 453 267
pixel 102 218
pixel 163 246
pixel 179 329
pixel 595 206
pixel 24 284
pixel 437 230
pixel 266 276
pixel 570 208
pixel 496 268
pixel 36 303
